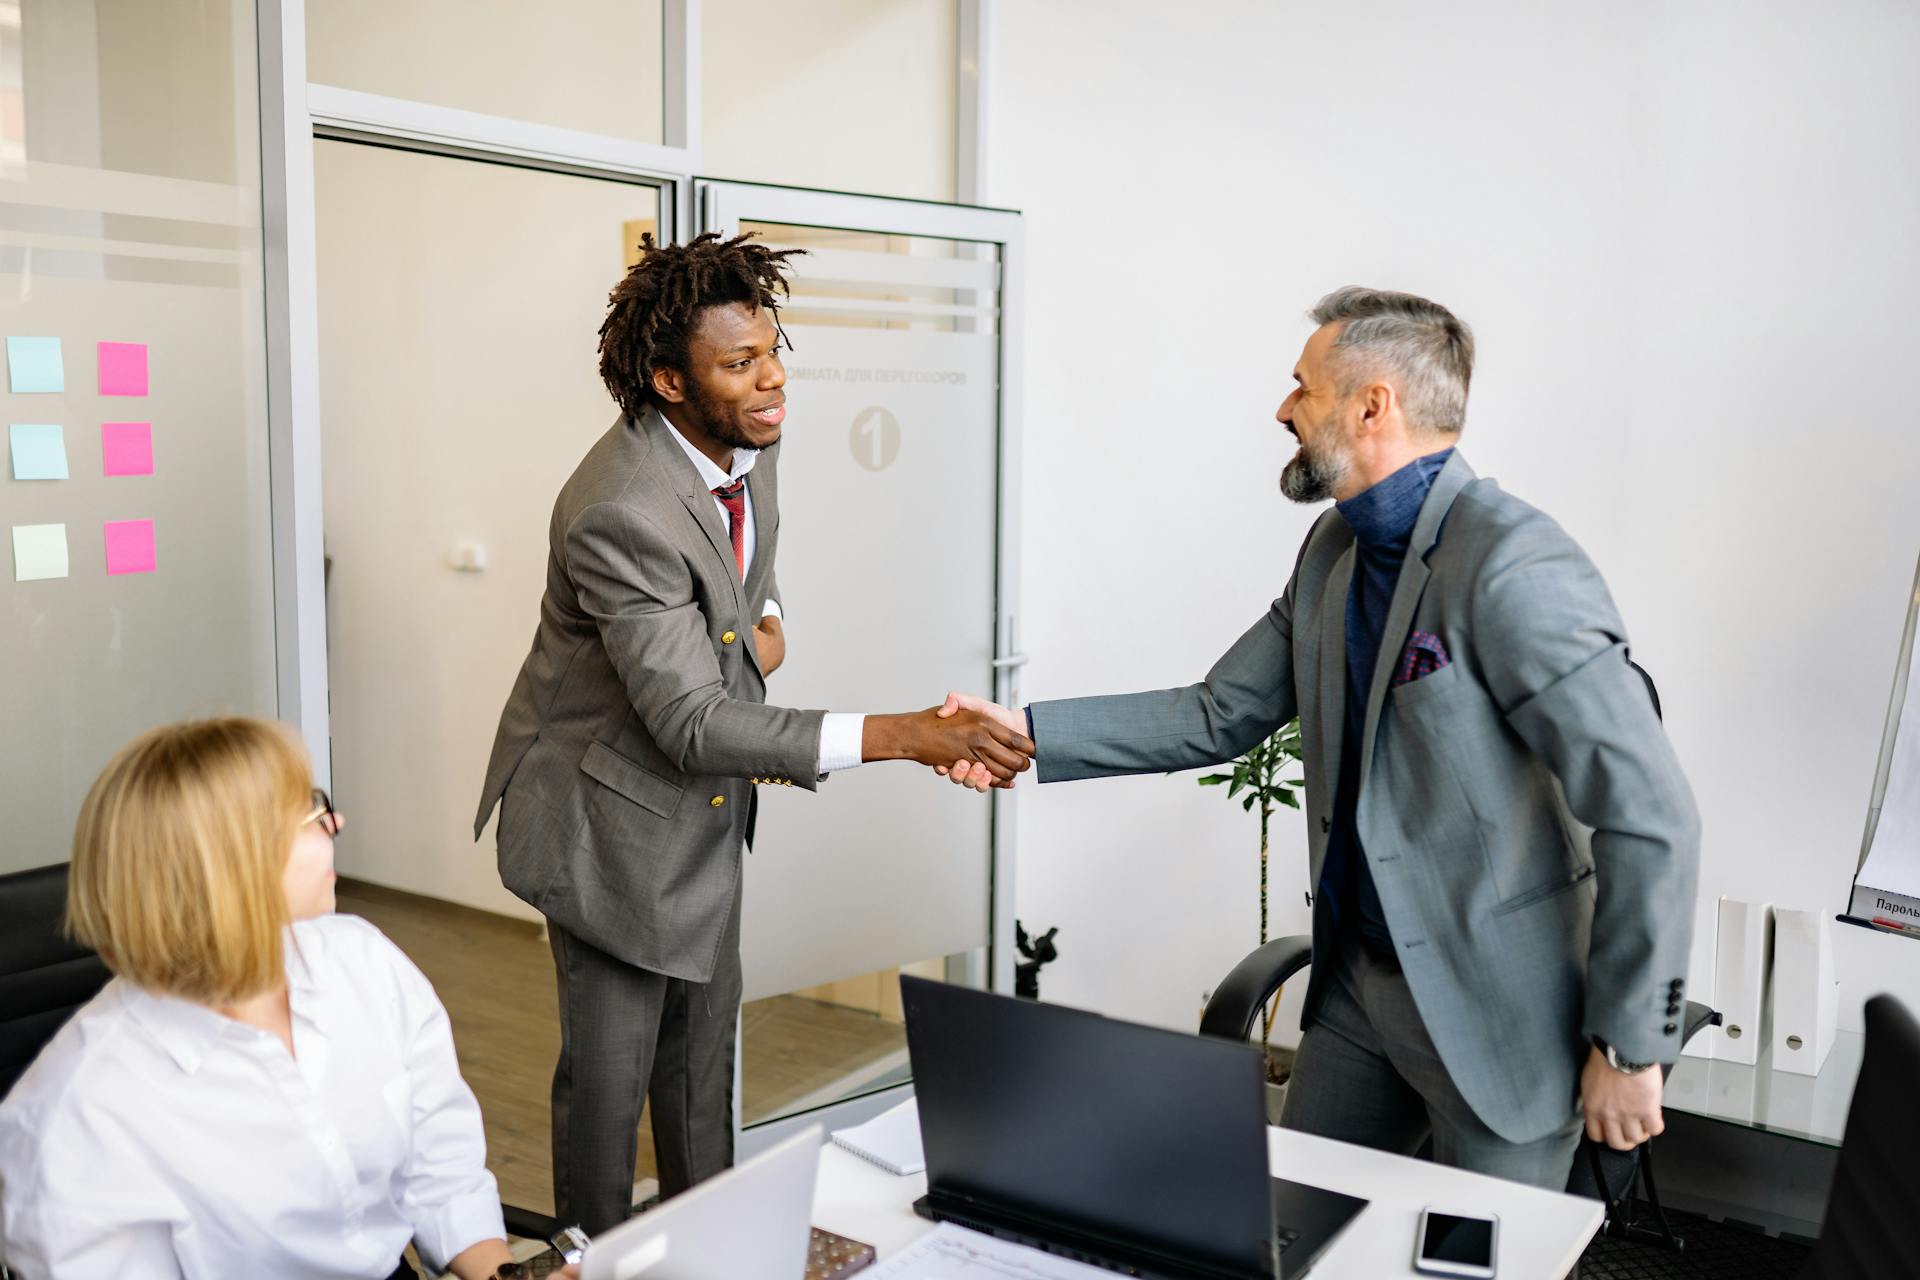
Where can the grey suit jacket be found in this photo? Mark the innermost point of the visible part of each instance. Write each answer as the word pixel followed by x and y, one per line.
pixel 1524 817
pixel 627 753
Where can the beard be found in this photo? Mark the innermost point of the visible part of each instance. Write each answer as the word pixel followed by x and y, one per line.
pixel 1313 473
pixel 713 416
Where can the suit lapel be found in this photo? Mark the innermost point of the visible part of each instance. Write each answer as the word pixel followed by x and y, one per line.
pixel 1453 477
pixel 698 501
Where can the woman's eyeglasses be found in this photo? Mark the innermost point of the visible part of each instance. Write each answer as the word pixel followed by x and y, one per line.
pixel 322 813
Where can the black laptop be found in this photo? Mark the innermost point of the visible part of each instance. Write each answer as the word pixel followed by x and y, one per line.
pixel 1131 1148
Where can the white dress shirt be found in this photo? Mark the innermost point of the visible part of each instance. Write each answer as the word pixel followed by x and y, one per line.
pixel 841 732
pixel 155 1137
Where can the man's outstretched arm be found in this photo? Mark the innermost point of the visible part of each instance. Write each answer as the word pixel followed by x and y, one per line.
pixel 1248 694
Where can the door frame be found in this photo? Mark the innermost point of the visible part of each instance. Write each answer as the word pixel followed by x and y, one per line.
pixel 722 206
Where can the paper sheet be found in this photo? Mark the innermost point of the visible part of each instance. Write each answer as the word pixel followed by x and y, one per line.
pixel 123 368
pixel 1894 861
pixel 34 366
pixel 126 448
pixel 39 451
pixel 953 1253
pixel 39 552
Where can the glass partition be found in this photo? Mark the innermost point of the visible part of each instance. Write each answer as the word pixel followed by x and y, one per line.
pixel 135 527
pixel 893 386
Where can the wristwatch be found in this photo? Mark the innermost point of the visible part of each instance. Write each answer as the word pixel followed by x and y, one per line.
pixel 1619 1063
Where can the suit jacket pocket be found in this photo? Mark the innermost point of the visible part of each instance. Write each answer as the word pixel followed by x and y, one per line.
pixel 618 774
pixel 1435 684
pixel 1533 897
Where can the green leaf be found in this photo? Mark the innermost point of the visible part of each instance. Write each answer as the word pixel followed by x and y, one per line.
pixel 1247 804
pixel 1213 779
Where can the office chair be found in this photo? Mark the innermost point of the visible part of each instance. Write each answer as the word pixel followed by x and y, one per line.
pixel 44 977
pixel 1875 1198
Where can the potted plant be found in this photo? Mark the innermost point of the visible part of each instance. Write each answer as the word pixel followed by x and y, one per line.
pixel 1263 777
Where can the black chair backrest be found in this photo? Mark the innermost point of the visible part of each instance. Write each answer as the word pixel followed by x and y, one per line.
pixel 1876 1189
pixel 44 977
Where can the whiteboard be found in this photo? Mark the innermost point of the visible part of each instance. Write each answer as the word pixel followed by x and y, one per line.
pixel 1889 872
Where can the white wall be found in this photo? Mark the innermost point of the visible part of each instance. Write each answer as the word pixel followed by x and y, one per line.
pixel 847 95
pixel 1684 236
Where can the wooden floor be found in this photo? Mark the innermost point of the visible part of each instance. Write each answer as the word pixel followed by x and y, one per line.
pixel 495 976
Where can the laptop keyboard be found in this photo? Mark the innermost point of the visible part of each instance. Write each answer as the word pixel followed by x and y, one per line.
pixel 1284 1237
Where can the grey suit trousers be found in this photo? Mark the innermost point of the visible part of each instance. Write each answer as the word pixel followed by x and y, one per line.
pixel 1368 1073
pixel 627 1036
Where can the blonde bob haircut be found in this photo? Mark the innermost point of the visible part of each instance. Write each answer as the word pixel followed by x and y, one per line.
pixel 180 855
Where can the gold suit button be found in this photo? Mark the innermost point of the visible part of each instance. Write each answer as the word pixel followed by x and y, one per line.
pixel 717 801
pixel 727 637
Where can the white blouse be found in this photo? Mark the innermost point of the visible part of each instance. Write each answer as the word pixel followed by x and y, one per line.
pixel 154 1137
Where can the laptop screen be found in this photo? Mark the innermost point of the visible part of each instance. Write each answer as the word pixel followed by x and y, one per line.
pixel 1132 1133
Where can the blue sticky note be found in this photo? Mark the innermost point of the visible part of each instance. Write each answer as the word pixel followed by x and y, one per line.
pixel 39 451
pixel 33 365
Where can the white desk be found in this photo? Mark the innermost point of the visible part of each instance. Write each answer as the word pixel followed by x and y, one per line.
pixel 1542 1233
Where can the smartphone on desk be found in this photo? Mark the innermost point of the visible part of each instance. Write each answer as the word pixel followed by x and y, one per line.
pixel 1452 1244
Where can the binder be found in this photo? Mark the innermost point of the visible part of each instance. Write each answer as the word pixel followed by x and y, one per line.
pixel 1806 991
pixel 1742 970
pixel 1700 971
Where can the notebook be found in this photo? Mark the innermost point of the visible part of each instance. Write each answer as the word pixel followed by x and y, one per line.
pixel 890 1140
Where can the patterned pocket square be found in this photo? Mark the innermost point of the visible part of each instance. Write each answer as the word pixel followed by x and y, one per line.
pixel 1424 655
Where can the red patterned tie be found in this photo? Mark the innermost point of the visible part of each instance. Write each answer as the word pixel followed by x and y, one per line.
pixel 734 498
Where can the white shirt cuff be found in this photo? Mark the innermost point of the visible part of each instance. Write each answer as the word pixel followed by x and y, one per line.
pixel 443 1232
pixel 771 609
pixel 841 735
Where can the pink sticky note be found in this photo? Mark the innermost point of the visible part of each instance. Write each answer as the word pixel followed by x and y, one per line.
pixel 127 448
pixel 123 368
pixel 129 546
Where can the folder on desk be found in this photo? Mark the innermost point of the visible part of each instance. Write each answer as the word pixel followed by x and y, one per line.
pixel 1743 968
pixel 1806 991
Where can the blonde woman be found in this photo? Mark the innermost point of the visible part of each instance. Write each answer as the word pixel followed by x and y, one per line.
pixel 265 1088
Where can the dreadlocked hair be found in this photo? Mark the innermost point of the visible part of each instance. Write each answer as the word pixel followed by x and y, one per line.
pixel 652 312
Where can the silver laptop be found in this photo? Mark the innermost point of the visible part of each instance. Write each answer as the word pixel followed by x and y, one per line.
pixel 753 1220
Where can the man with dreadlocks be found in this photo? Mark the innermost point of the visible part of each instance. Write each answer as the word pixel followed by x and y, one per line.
pixel 630 747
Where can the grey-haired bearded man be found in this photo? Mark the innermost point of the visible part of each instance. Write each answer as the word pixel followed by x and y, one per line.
pixel 1502 843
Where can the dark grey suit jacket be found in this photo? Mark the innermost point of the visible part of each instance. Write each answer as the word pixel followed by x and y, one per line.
pixel 628 750
pixel 1525 819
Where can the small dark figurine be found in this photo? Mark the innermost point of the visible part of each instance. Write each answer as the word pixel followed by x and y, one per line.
pixel 1026 974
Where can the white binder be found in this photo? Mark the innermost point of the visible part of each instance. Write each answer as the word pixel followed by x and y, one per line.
pixel 1743 967
pixel 1806 991
pixel 1700 975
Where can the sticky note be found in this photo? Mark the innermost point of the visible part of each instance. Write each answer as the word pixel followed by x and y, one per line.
pixel 34 365
pixel 126 448
pixel 39 551
pixel 39 451
pixel 123 368
pixel 129 546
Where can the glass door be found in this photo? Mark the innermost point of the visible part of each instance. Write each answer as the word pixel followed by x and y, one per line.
pixel 893 570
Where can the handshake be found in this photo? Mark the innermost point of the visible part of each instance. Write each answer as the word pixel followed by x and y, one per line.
pixel 973 742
